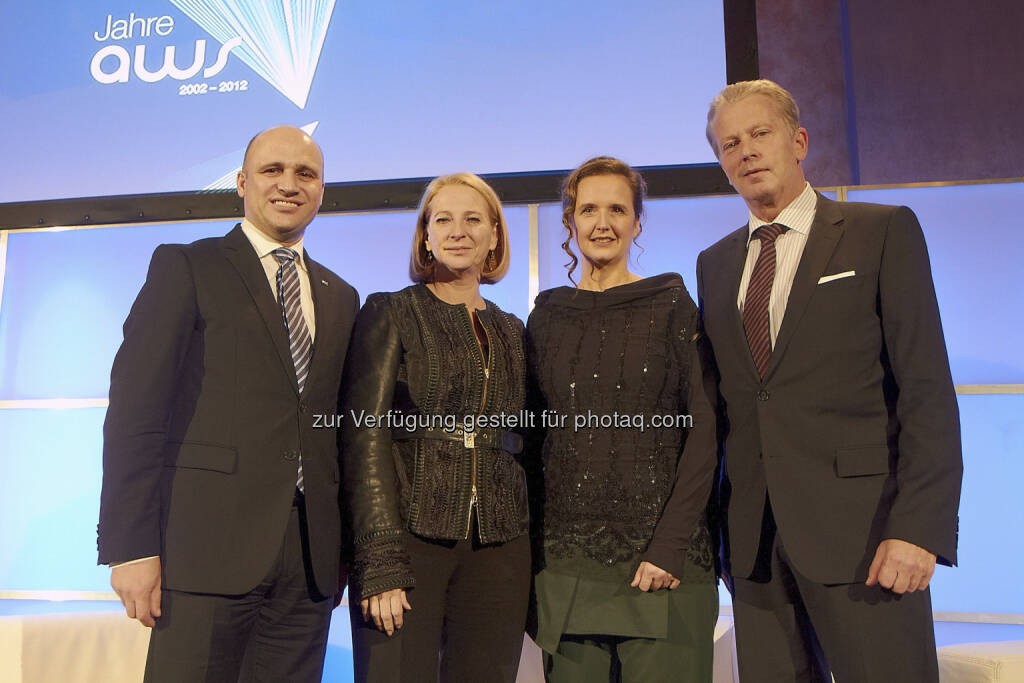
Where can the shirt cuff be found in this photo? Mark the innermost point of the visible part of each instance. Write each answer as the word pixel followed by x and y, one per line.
pixel 125 564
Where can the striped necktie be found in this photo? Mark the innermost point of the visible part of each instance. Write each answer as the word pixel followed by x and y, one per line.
pixel 288 295
pixel 756 318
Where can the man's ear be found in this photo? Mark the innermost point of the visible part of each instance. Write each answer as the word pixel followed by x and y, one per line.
pixel 800 143
pixel 240 183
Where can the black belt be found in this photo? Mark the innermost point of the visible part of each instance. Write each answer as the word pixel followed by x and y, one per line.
pixel 485 437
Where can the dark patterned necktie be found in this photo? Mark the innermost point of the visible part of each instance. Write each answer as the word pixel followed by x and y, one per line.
pixel 756 319
pixel 288 295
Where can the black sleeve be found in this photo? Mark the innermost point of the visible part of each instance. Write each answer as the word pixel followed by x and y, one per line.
pixel 696 465
pixel 930 466
pixel 369 492
pixel 143 380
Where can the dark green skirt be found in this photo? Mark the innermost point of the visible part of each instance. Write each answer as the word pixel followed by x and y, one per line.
pixel 579 596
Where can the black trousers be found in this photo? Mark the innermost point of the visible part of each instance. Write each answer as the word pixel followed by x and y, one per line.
pixel 789 628
pixel 275 633
pixel 467 620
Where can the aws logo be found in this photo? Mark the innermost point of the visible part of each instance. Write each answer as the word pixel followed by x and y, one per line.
pixel 279 41
pixel 125 63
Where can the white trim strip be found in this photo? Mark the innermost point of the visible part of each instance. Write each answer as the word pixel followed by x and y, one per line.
pixel 989 389
pixel 3 264
pixel 59 596
pixel 951 617
pixel 979 617
pixel 534 256
pixel 54 403
pixel 938 183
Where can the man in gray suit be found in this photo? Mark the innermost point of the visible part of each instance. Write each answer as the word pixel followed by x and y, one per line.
pixel 842 454
pixel 219 512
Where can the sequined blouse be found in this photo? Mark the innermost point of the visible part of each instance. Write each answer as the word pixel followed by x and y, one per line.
pixel 628 454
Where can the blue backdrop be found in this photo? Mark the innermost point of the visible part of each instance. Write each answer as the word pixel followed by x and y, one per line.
pixel 63 305
pixel 410 89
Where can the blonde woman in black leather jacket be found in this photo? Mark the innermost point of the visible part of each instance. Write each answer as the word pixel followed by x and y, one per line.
pixel 437 506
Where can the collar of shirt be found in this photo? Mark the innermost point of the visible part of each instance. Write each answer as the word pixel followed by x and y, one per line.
pixel 797 216
pixel 264 245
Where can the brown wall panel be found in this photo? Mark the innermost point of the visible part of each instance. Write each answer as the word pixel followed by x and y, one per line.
pixel 799 42
pixel 924 91
pixel 938 89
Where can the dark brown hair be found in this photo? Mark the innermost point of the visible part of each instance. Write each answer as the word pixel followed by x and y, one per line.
pixel 571 186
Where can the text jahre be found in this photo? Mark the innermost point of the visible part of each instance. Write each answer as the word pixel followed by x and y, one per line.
pixel 143 27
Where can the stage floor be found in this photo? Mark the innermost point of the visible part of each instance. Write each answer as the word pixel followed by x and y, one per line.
pixel 91 629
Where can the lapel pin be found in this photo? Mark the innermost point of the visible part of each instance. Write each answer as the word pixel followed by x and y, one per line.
pixel 323 282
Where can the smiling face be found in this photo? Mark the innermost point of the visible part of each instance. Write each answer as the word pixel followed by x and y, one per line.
pixel 460 230
pixel 604 220
pixel 760 154
pixel 281 183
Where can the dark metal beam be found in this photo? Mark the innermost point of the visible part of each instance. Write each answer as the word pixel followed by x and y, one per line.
pixel 741 57
pixel 518 188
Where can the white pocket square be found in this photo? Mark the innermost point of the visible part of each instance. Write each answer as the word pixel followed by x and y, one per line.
pixel 837 276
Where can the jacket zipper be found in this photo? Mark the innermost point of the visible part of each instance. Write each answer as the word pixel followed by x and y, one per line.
pixel 483 402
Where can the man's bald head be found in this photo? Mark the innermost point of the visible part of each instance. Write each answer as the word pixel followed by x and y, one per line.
pixel 282 182
pixel 292 130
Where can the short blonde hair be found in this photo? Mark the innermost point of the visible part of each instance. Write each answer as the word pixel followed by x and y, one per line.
pixel 421 269
pixel 735 92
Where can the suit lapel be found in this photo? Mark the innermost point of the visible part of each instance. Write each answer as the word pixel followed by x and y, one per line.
pixel 240 253
pixel 324 302
pixel 734 255
pixel 826 230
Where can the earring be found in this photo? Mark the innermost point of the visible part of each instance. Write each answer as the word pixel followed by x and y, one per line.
pixel 430 254
pixel 492 262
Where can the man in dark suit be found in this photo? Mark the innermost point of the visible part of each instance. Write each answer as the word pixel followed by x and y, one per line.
pixel 843 445
pixel 219 512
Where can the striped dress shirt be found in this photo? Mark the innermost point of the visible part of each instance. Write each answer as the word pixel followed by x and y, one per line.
pixel 265 247
pixel 789 247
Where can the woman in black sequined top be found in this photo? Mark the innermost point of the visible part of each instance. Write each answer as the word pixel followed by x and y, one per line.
pixel 625 582
pixel 438 513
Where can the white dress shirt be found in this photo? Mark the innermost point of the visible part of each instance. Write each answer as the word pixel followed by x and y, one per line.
pixel 789 247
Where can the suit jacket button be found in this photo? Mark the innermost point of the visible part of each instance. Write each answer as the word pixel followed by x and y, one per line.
pixel 303 407
pixel 762 395
pixel 291 455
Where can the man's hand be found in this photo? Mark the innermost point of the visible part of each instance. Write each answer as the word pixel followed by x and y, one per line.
pixel 138 586
pixel 649 577
pixel 901 567
pixel 386 609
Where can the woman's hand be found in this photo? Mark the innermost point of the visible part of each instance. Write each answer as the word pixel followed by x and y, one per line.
pixel 386 609
pixel 650 577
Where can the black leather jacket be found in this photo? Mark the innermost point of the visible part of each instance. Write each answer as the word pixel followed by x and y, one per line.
pixel 417 357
